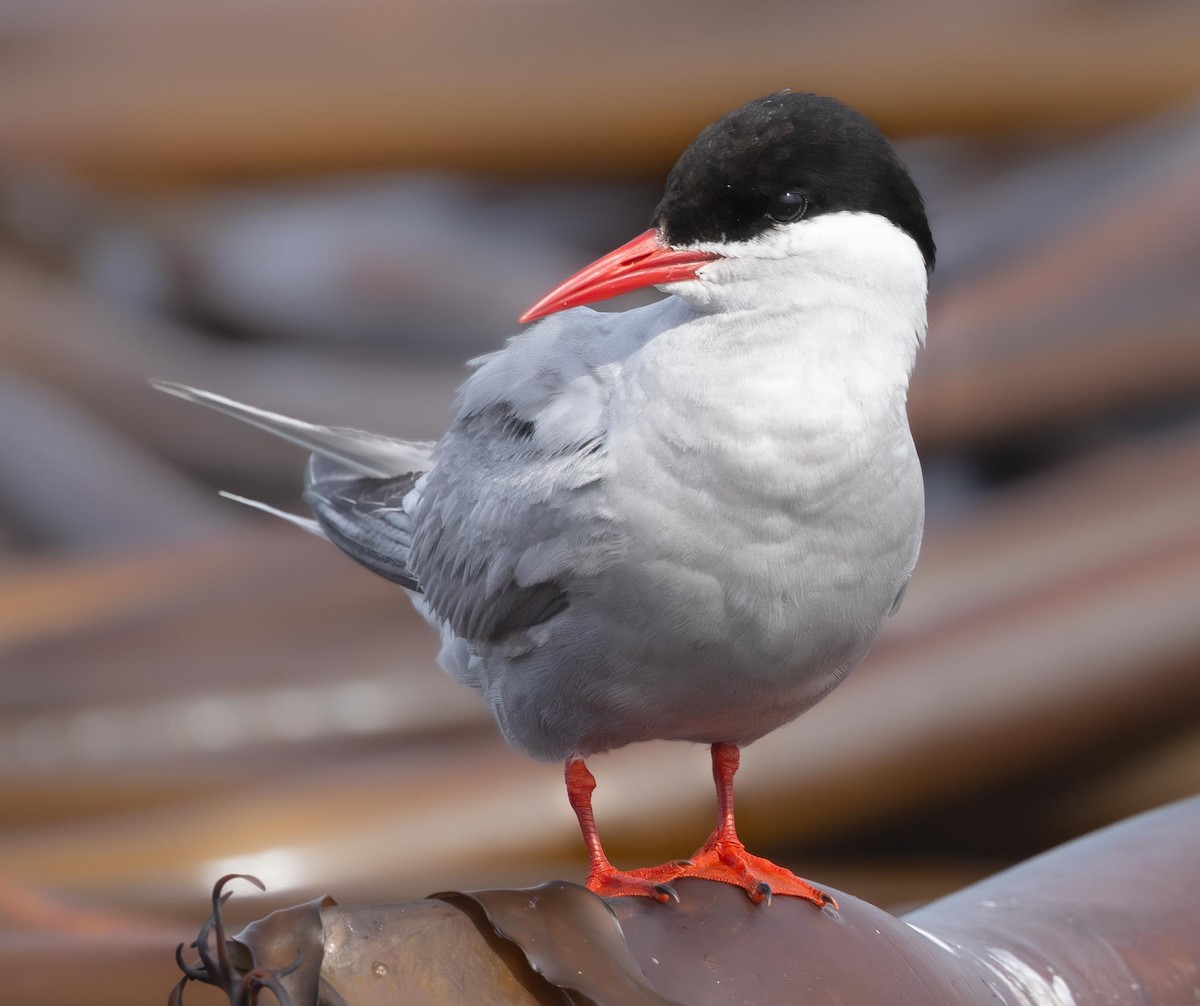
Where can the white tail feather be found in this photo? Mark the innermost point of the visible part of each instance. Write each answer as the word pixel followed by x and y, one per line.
pixel 368 453
pixel 304 523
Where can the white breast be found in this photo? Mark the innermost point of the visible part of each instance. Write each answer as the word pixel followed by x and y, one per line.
pixel 763 495
pixel 768 488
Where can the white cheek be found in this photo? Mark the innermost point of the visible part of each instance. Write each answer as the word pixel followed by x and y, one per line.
pixel 861 250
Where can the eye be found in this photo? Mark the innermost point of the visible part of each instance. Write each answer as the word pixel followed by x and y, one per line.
pixel 788 207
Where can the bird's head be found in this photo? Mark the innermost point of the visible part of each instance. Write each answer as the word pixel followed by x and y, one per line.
pixel 783 176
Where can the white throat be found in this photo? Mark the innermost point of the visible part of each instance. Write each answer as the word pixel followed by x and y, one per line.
pixel 839 298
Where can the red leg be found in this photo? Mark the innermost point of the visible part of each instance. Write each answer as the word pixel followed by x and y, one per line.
pixel 723 857
pixel 603 878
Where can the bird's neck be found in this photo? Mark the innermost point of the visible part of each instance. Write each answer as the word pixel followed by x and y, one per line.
pixel 838 303
pixel 839 350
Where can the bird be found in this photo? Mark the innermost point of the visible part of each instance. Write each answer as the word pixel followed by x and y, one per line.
pixel 688 520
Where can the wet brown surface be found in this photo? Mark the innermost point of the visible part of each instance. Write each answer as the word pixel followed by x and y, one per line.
pixel 1060 929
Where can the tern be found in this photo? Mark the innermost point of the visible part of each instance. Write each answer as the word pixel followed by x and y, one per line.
pixel 689 520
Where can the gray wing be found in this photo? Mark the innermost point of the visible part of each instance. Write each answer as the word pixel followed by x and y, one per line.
pixel 364 516
pixel 502 527
pixel 473 515
pixel 510 521
pixel 360 451
pixel 356 482
pixel 505 516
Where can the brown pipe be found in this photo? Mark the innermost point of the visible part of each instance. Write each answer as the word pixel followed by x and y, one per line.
pixel 1109 919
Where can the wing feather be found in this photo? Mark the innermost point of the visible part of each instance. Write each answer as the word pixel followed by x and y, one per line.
pixel 366 453
pixel 499 522
pixel 511 518
pixel 364 516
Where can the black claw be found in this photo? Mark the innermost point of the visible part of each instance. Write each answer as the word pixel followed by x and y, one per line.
pixel 763 890
pixel 668 890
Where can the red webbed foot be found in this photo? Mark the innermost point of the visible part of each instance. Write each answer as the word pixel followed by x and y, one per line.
pixel 648 882
pixel 603 878
pixel 722 858
pixel 726 860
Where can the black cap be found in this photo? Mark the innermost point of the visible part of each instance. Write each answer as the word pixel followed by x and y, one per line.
pixel 783 159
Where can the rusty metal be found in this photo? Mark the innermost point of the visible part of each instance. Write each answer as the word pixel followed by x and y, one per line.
pixel 218 960
pixel 1109 919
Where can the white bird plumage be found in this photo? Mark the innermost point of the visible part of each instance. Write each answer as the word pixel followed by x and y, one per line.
pixel 686 521
pixel 710 600
pixel 731 517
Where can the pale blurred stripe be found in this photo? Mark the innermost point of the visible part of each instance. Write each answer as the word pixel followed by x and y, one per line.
pixel 144 90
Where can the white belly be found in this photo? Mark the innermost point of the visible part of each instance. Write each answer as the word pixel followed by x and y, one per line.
pixel 759 559
pixel 765 507
pixel 761 573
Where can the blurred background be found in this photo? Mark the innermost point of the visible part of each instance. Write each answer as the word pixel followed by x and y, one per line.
pixel 324 210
